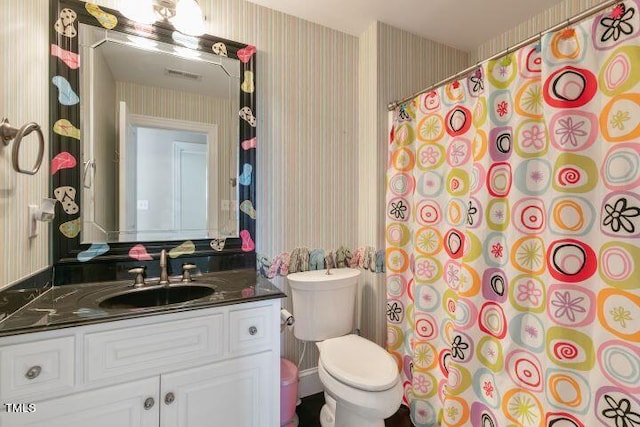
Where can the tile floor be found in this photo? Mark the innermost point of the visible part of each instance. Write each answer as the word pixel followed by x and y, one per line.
pixel 309 413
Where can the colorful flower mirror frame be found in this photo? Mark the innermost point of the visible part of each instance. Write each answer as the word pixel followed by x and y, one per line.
pixel 66 153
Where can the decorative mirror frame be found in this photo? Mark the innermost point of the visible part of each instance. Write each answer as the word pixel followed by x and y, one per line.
pixel 68 253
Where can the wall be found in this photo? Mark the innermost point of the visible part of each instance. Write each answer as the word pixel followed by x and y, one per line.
pixel 550 17
pixel 394 64
pixel 24 97
pixel 372 286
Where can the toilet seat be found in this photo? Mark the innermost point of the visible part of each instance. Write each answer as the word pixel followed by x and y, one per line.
pixel 359 363
pixel 372 405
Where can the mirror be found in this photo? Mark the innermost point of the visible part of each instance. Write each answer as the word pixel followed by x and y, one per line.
pixel 159 140
pixel 200 171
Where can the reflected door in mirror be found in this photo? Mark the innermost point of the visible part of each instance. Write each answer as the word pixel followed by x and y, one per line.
pixel 165 190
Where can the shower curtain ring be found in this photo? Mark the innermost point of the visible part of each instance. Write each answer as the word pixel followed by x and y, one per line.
pixel 539 43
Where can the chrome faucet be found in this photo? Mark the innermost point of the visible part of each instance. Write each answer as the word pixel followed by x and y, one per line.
pixel 164 277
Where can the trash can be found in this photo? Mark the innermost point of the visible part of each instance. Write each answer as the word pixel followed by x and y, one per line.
pixel 288 393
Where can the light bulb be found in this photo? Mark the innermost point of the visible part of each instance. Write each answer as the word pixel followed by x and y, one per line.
pixel 138 10
pixel 189 19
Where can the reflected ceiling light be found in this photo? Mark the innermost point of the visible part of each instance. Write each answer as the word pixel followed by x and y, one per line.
pixel 185 15
pixel 143 42
pixel 186 53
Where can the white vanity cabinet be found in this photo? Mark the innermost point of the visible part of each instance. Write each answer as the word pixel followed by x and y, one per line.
pixel 233 391
pixel 121 405
pixel 209 367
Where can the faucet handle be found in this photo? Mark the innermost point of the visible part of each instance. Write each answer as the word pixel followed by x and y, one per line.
pixel 186 272
pixel 139 279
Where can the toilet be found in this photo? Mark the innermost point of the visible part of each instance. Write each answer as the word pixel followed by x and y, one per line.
pixel 360 379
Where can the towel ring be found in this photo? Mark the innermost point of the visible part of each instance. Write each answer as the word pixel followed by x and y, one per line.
pixel 8 133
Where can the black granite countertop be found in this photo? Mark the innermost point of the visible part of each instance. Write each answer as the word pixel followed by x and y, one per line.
pixel 76 305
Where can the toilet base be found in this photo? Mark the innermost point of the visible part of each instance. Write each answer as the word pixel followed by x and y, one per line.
pixel 326 417
pixel 334 414
pixel 328 412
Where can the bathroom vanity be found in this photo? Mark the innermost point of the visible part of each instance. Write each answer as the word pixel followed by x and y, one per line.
pixel 208 362
pixel 105 353
pixel 201 353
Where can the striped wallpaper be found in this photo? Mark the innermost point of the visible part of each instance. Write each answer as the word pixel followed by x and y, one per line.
pixel 322 128
pixel 24 94
pixel 394 63
pixel 372 286
pixel 550 17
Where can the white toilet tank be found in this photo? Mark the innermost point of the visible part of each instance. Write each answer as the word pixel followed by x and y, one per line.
pixel 323 305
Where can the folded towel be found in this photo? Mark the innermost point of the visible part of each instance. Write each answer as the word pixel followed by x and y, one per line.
pixel 263 265
pixel 299 260
pixel 293 261
pixel 330 260
pixel 366 258
pixel 343 256
pixel 357 260
pixel 284 265
pixel 280 265
pixel 316 259
pixel 370 258
pixel 380 261
pixel 303 259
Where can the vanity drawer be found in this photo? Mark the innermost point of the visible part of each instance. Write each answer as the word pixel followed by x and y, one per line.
pixel 36 367
pixel 250 329
pixel 147 350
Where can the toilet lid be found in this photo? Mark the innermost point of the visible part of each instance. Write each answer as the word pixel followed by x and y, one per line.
pixel 359 363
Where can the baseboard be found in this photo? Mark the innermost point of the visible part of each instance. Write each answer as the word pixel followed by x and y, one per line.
pixel 309 383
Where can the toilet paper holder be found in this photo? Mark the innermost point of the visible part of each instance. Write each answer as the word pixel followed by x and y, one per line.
pixel 286 319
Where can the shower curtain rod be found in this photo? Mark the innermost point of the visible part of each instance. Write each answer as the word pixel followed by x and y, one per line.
pixel 577 18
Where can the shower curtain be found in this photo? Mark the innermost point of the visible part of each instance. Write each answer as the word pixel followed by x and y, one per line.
pixel 513 224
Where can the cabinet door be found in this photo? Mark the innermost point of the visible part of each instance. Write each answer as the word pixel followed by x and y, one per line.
pixel 121 406
pixel 230 393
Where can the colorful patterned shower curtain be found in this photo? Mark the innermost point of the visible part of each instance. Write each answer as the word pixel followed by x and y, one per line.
pixel 513 225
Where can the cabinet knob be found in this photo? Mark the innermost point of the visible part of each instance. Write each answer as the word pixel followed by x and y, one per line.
pixel 253 330
pixel 33 372
pixel 148 404
pixel 169 398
